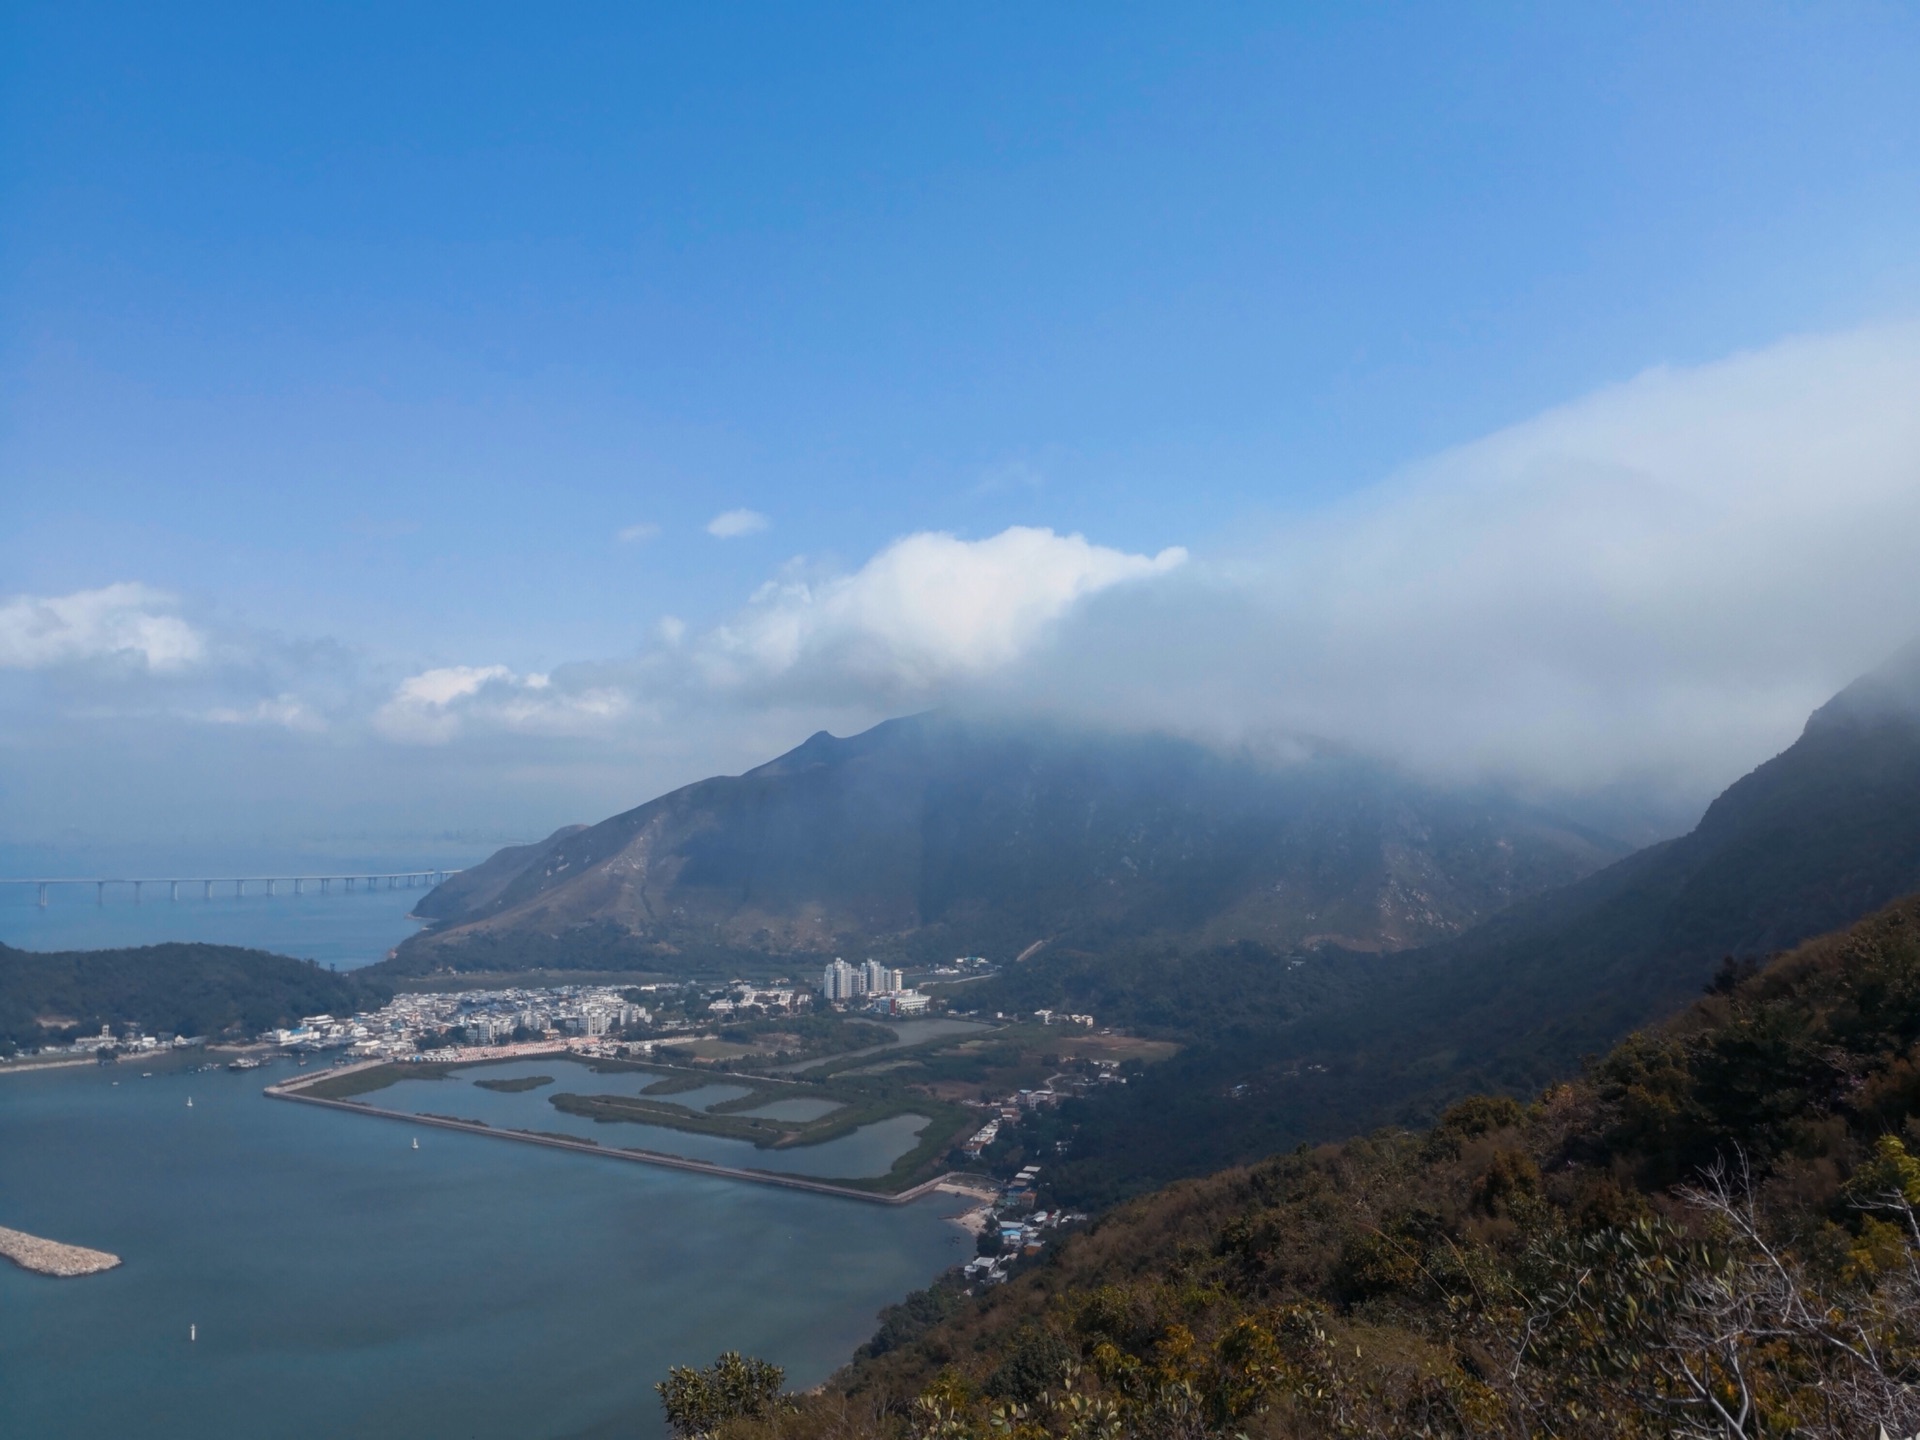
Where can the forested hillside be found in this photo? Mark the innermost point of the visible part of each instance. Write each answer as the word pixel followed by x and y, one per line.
pixel 1710 1232
pixel 1284 1047
pixel 182 989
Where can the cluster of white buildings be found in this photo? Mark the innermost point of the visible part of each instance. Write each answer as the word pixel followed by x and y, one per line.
pixel 484 1016
pixel 883 988
pixel 748 997
pixel 132 1041
pixel 980 1139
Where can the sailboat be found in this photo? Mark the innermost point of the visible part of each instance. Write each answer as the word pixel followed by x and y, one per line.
pixel 193 1332
pixel 189 1102
pixel 416 1142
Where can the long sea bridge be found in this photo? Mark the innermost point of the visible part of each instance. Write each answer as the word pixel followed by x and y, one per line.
pixel 263 885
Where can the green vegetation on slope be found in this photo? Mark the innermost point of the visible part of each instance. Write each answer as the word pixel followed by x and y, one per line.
pixel 1712 1232
pixel 181 989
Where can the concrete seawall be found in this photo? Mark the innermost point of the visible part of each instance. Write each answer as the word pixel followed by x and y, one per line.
pixel 291 1090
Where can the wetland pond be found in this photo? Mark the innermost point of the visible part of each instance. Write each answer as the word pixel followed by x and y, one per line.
pixel 868 1152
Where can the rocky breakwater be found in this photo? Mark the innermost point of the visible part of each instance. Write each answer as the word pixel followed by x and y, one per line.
pixel 50 1257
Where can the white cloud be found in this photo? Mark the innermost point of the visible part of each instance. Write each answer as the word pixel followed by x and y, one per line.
pixel 286 711
pixel 125 622
pixel 928 610
pixel 437 706
pixel 637 534
pixel 730 524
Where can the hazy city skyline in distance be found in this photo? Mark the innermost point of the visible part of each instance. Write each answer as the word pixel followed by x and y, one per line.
pixel 422 424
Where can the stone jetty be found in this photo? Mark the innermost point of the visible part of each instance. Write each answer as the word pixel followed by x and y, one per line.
pixel 50 1257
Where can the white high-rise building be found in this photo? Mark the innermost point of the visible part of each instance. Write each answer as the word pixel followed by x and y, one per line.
pixel 841 981
pixel 880 980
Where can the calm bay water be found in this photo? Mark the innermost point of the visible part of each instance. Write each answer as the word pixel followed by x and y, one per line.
pixel 346 1284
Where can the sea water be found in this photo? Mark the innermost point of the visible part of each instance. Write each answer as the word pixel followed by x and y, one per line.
pixel 340 1282
pixel 339 929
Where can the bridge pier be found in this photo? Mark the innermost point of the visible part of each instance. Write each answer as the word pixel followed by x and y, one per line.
pixel 239 889
pixel 173 889
pixel 99 892
pixel 209 891
pixel 43 894
pixel 270 888
pixel 136 890
pixel 298 887
pixel 325 883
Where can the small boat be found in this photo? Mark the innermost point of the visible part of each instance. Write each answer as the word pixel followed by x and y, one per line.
pixel 193 1332
pixel 416 1142
pixel 189 1102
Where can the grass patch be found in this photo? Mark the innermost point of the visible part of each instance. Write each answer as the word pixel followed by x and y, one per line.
pixel 678 1084
pixel 516 1085
pixel 365 1082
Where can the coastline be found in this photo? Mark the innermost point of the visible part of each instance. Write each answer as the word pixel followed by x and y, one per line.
pixel 50 1257
pixel 33 1067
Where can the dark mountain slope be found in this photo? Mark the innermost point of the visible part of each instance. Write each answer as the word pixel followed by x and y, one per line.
pixel 1825 832
pixel 1289 1049
pixel 932 835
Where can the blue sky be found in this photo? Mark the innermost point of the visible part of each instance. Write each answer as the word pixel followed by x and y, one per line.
pixel 350 341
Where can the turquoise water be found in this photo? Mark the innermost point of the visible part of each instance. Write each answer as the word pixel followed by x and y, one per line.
pixel 346 1284
pixel 870 1150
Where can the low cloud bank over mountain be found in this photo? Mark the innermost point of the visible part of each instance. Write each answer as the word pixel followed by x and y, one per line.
pixel 1658 581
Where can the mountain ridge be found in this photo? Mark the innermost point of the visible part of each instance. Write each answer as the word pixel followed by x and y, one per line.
pixel 932 834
